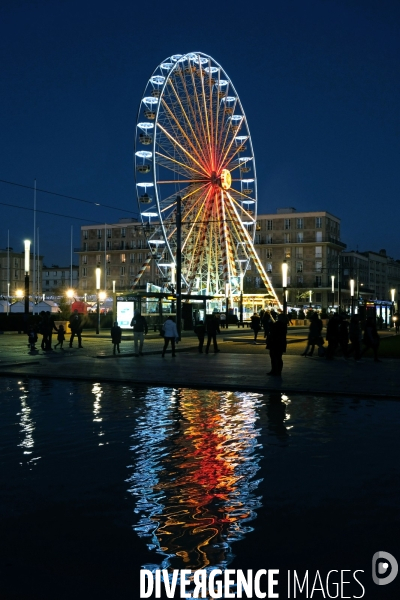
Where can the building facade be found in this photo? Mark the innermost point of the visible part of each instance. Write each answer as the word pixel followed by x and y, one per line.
pixel 310 244
pixel 12 273
pixel 57 280
pixel 120 250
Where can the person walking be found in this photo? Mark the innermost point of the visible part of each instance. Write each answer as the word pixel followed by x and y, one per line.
pixel 255 325
pixel 314 335
pixel 75 325
pixel 332 335
pixel 140 329
pixel 266 323
pixel 170 335
pixel 371 338
pixel 355 335
pixel 277 344
pixel 116 336
pixel 344 335
pixel 396 321
pixel 212 328
pixel 223 321
pixel 60 336
pixel 200 331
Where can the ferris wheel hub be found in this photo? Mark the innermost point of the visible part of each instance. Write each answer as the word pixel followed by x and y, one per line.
pixel 223 181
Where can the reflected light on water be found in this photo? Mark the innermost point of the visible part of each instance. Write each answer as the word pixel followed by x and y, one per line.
pixel 97 391
pixel 27 425
pixel 194 477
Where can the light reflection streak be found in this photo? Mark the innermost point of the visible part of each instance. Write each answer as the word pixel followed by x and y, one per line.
pixel 27 425
pixel 97 391
pixel 194 477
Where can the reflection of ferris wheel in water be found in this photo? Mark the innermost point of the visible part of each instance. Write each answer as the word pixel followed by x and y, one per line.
pixel 193 141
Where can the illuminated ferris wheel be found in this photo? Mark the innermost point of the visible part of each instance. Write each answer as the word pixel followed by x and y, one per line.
pixel 193 141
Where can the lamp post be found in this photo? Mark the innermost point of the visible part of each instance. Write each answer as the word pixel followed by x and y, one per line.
pixel 70 295
pixel 333 290
pixel 98 275
pixel 226 303
pixel 392 293
pixel 114 302
pixel 27 245
pixel 352 295
pixel 284 285
pixel 179 265
pixel 241 301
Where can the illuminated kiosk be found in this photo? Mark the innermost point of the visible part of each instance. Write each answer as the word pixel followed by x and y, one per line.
pixel 193 142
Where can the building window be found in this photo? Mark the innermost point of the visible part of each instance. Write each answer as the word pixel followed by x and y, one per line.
pixel 299 252
pixel 318 281
pixel 318 266
pixel 84 284
pixel 140 257
pixel 55 282
pixel 108 233
pixel 122 270
pixel 300 280
pixel 123 258
pixel 131 270
pixel 286 238
pixel 299 266
pixel 98 259
pixel 287 252
pixel 84 260
pixel 108 271
pixel 269 224
pixel 287 223
pixel 123 244
pixel 269 267
pixel 47 282
pixel 318 251
pixel 299 237
pixel 123 232
pixel 108 258
pixel 84 271
pixel 257 238
pixel 268 238
pixel 132 258
pixel 85 234
pixel 318 236
pixel 318 222
pixel 98 245
pixel 85 246
pixel 109 245
pixel 299 224
pixel 268 253
pixel 318 297
pixel 99 234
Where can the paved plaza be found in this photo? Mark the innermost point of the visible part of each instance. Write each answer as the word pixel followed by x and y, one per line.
pixel 240 365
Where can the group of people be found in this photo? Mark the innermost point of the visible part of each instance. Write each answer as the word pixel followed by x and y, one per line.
pixel 46 326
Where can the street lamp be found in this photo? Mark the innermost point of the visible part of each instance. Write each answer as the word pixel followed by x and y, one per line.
pixel 333 291
pixel 70 295
pixel 392 293
pixel 98 275
pixel 284 285
pixel 27 245
pixel 352 295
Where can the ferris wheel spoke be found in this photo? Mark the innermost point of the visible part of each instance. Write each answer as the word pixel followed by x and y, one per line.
pixel 186 152
pixel 180 164
pixel 185 115
pixel 185 134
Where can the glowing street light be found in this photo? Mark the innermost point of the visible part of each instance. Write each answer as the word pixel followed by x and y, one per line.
pixel 27 245
pixel 98 276
pixel 284 285
pixel 352 295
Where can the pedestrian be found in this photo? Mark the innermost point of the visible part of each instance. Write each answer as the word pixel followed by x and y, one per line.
pixel 255 325
pixel 60 336
pixel 332 336
pixel 266 323
pixel 355 335
pixel 170 335
pixel 32 337
pixel 396 321
pixel 140 329
pixel 116 336
pixel 277 344
pixel 314 335
pixel 371 338
pixel 44 330
pixel 212 328
pixel 344 335
pixel 75 325
pixel 223 321
pixel 200 331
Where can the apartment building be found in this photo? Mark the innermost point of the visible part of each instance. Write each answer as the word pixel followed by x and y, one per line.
pixel 120 250
pixel 12 272
pixel 58 280
pixel 310 244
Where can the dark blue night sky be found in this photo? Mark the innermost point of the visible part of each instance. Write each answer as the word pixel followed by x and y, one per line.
pixel 319 81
